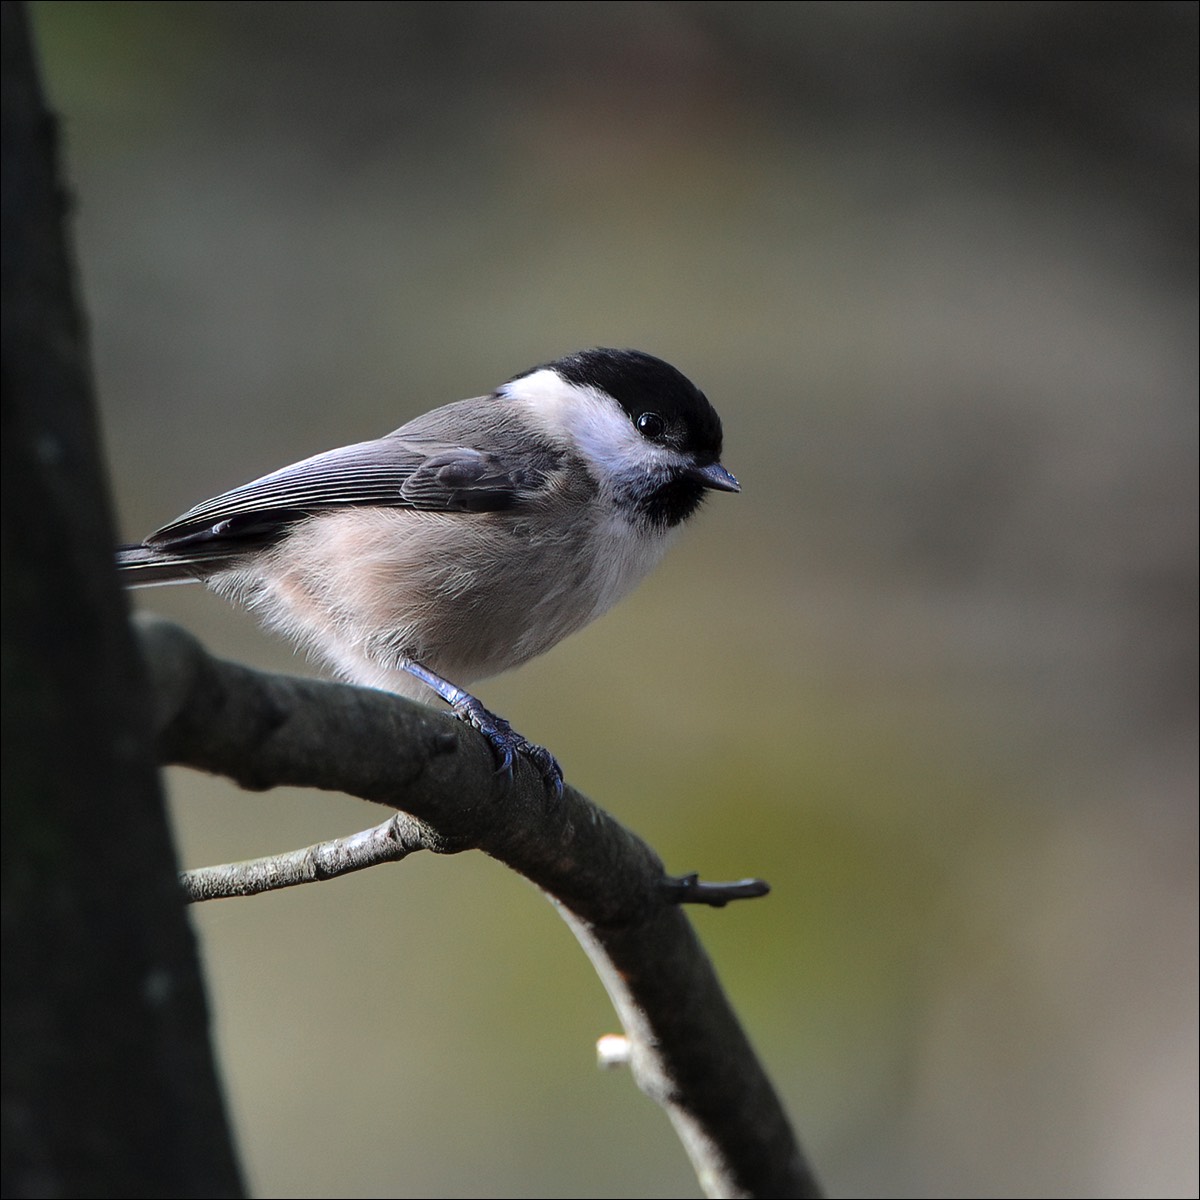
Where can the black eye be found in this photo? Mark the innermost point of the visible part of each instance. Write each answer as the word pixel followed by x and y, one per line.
pixel 650 425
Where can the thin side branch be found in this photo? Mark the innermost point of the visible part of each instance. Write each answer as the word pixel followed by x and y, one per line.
pixel 691 889
pixel 688 1051
pixel 389 842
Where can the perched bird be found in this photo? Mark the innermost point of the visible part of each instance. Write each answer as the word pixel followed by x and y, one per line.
pixel 469 540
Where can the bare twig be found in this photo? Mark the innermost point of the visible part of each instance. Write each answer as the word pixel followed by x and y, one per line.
pixel 687 1050
pixel 389 842
pixel 691 889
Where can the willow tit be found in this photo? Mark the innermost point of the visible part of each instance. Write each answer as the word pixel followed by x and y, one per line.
pixel 469 540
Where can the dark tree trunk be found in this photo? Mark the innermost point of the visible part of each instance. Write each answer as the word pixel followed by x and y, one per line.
pixel 109 1083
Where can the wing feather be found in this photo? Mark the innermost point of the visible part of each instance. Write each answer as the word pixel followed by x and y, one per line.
pixel 411 468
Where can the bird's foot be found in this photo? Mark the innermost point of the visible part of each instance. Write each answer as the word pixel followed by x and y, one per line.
pixel 507 742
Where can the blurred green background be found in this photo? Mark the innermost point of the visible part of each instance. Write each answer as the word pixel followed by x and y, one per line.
pixel 932 673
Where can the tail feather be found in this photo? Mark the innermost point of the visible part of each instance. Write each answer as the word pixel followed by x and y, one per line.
pixel 144 566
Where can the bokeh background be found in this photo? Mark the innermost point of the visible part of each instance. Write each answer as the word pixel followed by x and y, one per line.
pixel 932 673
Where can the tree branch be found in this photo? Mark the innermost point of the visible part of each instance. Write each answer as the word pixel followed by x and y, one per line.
pixel 314 864
pixel 688 1051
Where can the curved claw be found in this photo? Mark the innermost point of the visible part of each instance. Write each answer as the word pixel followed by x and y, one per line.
pixel 546 764
pixel 506 743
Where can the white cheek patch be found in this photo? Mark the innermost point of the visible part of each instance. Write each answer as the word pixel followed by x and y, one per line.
pixel 592 422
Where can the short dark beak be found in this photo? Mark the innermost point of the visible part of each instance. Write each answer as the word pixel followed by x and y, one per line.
pixel 716 477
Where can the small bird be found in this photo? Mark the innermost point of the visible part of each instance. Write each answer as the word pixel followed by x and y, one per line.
pixel 469 540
